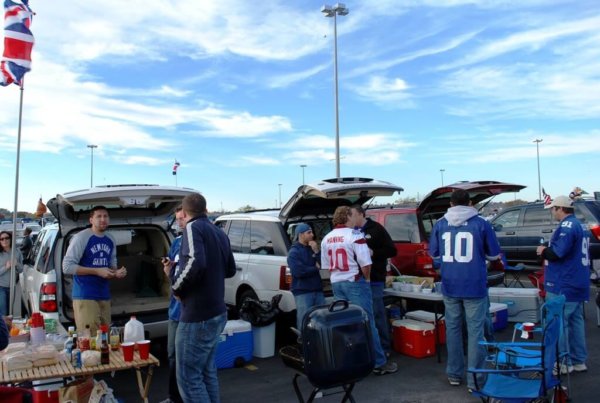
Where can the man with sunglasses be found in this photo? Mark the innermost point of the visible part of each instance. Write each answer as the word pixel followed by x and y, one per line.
pixel 567 273
pixel 303 259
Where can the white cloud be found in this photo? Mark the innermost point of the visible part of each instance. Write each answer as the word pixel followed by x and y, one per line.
pixel 141 160
pixel 391 92
pixel 286 80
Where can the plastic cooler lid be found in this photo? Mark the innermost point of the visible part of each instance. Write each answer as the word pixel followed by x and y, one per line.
pixel 236 326
pixel 413 324
pixel 502 291
pixel 421 315
pixel 497 306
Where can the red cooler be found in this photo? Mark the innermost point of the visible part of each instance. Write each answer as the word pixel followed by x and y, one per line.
pixel 429 317
pixel 414 338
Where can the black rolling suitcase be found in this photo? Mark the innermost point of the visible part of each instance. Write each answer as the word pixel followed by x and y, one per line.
pixel 337 346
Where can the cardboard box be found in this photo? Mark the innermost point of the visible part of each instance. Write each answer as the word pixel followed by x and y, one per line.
pixel 414 338
pixel 523 303
pixel 235 344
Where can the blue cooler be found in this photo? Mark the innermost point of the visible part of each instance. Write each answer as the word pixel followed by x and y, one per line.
pixel 235 345
pixel 499 313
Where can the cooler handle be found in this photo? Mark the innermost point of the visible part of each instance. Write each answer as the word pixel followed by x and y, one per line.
pixel 340 301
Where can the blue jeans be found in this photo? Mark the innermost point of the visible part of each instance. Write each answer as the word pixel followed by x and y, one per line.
pixel 574 329
pixel 381 321
pixel 304 302
pixel 173 390
pixel 474 312
pixel 195 350
pixel 359 293
pixel 4 297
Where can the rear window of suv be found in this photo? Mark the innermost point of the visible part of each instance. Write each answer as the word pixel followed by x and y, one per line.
pixel 402 227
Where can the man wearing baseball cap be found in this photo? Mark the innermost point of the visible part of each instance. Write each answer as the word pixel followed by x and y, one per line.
pixel 303 259
pixel 567 273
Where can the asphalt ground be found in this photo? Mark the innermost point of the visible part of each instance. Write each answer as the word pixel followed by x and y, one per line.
pixel 417 380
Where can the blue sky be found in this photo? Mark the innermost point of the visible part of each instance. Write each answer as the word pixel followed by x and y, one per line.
pixel 241 94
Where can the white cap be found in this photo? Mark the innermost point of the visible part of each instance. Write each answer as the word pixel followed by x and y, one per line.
pixel 560 201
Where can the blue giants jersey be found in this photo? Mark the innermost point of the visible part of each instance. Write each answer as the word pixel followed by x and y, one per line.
pixel 98 252
pixel 570 275
pixel 463 251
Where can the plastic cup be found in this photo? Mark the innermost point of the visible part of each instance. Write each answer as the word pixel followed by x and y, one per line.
pixel 144 349
pixel 528 326
pixel 127 351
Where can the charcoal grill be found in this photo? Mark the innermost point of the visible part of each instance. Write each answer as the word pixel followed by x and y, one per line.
pixel 337 350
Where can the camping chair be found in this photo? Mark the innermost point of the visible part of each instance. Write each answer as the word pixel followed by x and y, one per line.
pixel 529 383
pixel 515 272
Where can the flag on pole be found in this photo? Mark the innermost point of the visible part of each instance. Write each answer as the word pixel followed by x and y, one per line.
pixel 175 166
pixel 18 42
pixel 41 208
pixel 547 198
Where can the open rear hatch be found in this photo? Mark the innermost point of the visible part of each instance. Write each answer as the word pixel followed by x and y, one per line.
pixel 321 199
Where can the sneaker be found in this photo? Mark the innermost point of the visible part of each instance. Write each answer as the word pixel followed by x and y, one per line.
pixel 564 369
pixel 454 381
pixel 387 368
pixel 580 367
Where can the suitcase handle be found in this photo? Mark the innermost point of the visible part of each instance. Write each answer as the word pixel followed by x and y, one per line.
pixel 338 302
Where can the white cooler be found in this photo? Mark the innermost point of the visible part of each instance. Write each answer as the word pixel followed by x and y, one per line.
pixel 523 303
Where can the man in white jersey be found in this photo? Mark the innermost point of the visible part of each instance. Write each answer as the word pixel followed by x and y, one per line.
pixel 344 252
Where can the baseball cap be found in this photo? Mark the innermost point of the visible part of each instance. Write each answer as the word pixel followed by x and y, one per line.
pixel 560 201
pixel 301 228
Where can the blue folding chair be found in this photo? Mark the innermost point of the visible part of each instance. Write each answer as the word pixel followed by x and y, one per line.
pixel 527 376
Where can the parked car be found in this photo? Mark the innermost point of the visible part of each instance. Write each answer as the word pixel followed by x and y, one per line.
pixel 260 240
pixel 137 222
pixel 520 230
pixel 410 227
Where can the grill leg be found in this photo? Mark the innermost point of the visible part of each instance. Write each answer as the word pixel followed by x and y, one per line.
pixel 297 388
pixel 313 394
pixel 348 394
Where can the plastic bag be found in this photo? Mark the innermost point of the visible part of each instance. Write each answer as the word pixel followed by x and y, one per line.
pixel 260 313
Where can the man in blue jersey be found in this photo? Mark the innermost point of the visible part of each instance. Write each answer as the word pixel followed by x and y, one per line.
pixel 170 265
pixel 567 274
pixel 92 260
pixel 205 260
pixel 463 241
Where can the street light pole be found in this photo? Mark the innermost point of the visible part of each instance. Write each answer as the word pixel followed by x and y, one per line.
pixel 537 146
pixel 91 147
pixel 442 173
pixel 329 11
pixel 279 184
pixel 303 166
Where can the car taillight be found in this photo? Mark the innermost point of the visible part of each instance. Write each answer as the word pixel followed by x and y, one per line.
pixel 48 297
pixel 595 230
pixel 423 261
pixel 285 278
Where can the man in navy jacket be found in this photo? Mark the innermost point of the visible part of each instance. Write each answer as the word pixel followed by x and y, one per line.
pixel 205 260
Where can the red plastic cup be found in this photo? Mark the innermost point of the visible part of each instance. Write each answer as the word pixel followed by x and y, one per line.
pixel 127 351
pixel 144 349
pixel 528 327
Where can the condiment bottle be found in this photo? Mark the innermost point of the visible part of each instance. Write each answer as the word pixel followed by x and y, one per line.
pixel 104 350
pixel 115 339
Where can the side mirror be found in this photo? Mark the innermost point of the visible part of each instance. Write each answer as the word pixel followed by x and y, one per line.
pixel 497 227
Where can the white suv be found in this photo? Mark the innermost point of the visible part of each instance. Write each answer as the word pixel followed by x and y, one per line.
pixel 260 240
pixel 138 222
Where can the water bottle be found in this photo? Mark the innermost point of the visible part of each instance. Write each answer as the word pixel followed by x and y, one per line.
pixel 134 330
pixel 37 333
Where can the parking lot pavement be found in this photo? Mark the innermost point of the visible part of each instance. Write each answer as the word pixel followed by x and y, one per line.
pixel 417 380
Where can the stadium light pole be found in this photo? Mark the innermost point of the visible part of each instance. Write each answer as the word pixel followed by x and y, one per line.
pixel 442 173
pixel 303 166
pixel 329 11
pixel 537 147
pixel 91 147
pixel 279 184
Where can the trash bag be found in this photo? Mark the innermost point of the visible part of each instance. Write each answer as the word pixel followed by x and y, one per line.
pixel 260 313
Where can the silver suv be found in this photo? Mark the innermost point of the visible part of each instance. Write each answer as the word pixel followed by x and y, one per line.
pixel 138 222
pixel 260 240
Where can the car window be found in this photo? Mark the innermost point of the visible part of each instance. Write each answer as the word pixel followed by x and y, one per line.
pixel 43 261
pixel 239 236
pixel 261 239
pixel 508 219
pixel 537 216
pixel 583 214
pixel 402 227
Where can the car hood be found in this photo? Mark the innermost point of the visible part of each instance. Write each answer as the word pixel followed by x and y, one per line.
pixel 324 197
pixel 437 202
pixel 126 204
